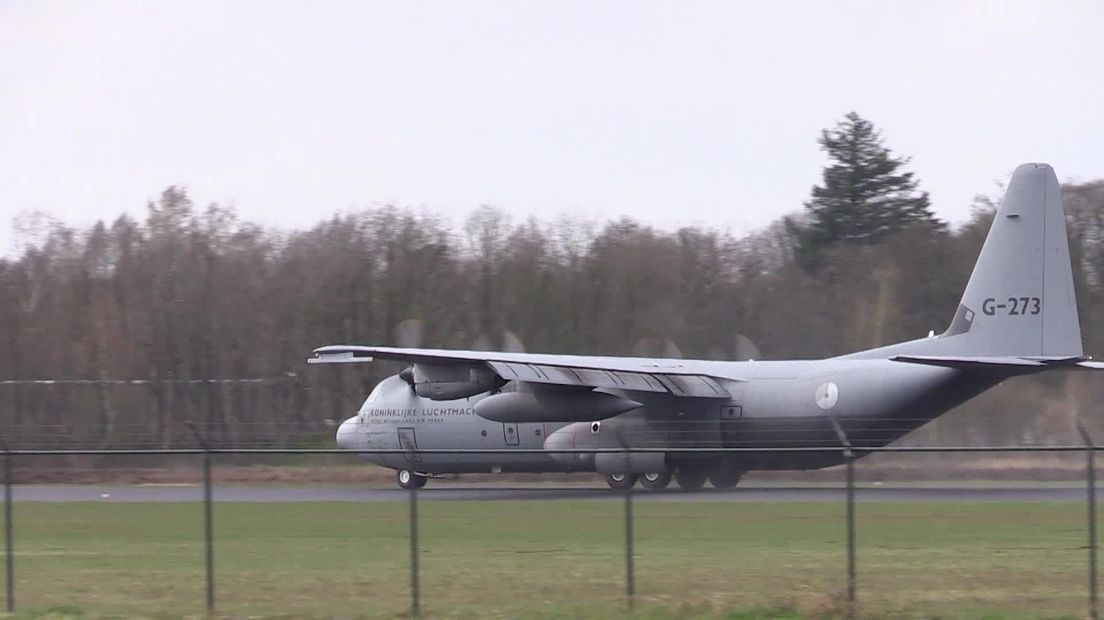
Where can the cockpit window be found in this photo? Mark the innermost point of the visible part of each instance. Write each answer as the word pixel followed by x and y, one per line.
pixel 374 396
pixel 387 385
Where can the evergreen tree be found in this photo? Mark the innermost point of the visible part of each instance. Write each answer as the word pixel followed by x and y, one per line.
pixel 865 196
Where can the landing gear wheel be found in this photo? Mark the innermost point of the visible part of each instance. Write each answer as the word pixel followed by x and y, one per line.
pixel 690 478
pixel 620 482
pixel 725 478
pixel 655 481
pixel 408 479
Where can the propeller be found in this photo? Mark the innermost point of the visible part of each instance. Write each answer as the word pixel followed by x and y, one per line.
pixel 511 343
pixel 482 343
pixel 409 334
pixel 746 349
pixel 742 349
pixel 656 346
pixel 663 347
pixel 508 341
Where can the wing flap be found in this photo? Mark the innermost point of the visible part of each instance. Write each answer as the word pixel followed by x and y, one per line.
pixel 565 375
pixel 692 385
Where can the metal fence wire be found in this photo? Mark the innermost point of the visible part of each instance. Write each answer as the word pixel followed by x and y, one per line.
pixel 853 566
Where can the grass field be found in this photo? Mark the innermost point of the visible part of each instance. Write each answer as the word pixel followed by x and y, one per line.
pixel 552 559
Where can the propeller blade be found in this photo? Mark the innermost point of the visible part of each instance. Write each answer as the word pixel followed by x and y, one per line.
pixel 511 343
pixel 746 349
pixel 482 343
pixel 410 333
pixel 671 350
pixel 656 346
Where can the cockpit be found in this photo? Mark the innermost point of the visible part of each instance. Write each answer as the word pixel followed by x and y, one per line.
pixel 386 386
pixel 351 433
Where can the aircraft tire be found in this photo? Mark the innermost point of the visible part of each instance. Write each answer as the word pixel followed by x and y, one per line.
pixel 691 478
pixel 655 481
pixel 409 479
pixel 725 478
pixel 620 482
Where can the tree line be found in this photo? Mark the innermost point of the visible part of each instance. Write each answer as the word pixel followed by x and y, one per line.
pixel 185 304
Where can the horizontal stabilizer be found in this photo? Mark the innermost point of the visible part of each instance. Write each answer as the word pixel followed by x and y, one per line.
pixel 1008 364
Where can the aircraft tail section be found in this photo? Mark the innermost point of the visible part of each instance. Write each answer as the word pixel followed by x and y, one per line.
pixel 1020 299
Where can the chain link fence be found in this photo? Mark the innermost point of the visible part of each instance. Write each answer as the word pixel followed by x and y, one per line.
pixel 649 533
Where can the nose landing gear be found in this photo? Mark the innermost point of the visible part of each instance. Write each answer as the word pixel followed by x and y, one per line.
pixel 409 479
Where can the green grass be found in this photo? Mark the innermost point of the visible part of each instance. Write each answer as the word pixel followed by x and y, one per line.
pixel 552 559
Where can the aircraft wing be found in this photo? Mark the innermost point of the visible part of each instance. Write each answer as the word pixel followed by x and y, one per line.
pixel 678 377
pixel 1013 364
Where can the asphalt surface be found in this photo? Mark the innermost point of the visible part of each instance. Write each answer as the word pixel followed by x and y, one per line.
pixel 261 494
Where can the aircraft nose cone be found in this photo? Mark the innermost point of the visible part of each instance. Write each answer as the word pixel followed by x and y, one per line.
pixel 347 434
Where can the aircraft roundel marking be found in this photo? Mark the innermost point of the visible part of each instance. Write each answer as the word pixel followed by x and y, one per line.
pixel 827 395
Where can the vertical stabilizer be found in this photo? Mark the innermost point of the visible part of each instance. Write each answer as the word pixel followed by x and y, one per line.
pixel 1020 299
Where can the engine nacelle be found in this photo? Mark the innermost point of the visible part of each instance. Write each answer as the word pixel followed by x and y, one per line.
pixel 454 381
pixel 630 463
pixel 553 406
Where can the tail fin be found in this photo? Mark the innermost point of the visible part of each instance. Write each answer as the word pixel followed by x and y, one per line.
pixel 1020 299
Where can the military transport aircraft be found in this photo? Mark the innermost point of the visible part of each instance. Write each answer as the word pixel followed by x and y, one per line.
pixel 1018 316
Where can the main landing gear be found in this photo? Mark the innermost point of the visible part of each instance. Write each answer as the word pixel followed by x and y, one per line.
pixel 655 481
pixel 409 479
pixel 689 478
pixel 725 478
pixel 620 482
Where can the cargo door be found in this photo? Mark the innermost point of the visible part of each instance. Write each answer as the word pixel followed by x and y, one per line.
pixel 408 442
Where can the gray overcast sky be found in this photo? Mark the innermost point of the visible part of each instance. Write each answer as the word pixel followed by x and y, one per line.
pixel 675 113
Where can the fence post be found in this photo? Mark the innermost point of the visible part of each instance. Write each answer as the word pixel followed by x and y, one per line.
pixel 1090 482
pixel 849 458
pixel 415 593
pixel 9 551
pixel 850 532
pixel 208 519
pixel 630 577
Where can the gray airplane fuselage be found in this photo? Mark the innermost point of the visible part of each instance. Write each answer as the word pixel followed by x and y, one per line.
pixel 788 404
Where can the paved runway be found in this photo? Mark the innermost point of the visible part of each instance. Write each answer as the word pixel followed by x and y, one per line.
pixel 193 493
